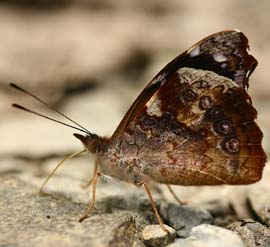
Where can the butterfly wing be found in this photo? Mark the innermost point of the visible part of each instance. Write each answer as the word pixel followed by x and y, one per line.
pixel 224 53
pixel 196 127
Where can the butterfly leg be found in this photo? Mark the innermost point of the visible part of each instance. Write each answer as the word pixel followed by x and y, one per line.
pixel 58 165
pixel 154 206
pixel 93 201
pixel 86 185
pixel 175 196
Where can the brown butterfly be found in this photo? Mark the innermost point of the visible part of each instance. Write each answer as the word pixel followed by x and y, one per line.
pixel 193 124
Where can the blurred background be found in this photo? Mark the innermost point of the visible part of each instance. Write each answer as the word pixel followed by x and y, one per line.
pixel 91 58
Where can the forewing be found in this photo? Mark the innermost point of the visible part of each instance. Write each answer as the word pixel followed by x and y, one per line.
pixel 197 129
pixel 224 53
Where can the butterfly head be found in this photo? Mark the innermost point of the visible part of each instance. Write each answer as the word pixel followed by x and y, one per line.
pixel 90 142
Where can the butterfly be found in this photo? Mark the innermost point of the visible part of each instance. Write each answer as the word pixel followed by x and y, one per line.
pixel 193 124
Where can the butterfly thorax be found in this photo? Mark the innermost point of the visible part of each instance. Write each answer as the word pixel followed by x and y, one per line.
pixel 114 161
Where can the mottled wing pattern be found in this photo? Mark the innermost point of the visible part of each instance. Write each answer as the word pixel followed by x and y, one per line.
pixel 196 125
pixel 198 128
pixel 224 53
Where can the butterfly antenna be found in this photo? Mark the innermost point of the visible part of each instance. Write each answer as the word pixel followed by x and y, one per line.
pixel 48 106
pixel 41 115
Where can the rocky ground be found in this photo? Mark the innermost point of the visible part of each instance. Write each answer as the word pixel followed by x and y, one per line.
pixel 90 59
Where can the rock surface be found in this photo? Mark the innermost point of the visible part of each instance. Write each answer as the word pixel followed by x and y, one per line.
pixel 210 236
pixel 259 199
pixel 154 236
pixel 28 219
pixel 184 218
pixel 253 233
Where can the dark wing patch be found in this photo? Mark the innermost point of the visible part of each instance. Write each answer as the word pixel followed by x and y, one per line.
pixel 225 53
